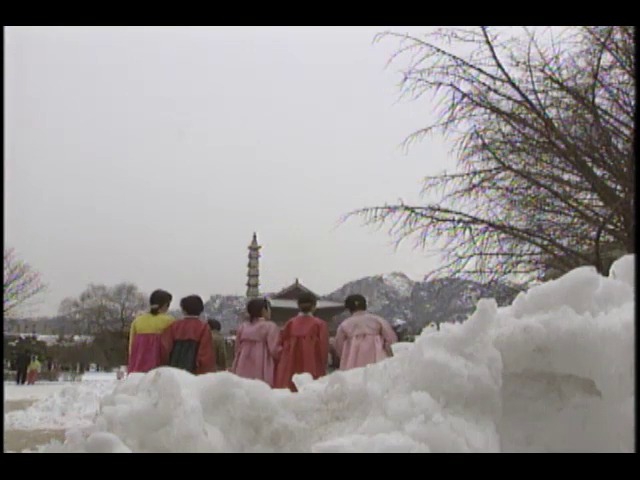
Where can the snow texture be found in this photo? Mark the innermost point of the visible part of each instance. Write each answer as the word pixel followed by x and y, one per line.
pixel 59 405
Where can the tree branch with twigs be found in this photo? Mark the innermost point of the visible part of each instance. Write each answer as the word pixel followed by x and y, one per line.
pixel 543 128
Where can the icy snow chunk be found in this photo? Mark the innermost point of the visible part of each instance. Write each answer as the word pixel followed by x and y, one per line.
pixel 624 270
pixel 570 290
pixel 401 347
pixel 568 374
pixel 380 443
pixel 105 443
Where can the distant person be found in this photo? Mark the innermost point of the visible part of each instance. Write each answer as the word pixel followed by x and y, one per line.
pixel 256 348
pixel 144 339
pixel 187 343
pixel 304 345
pixel 22 364
pixel 401 329
pixel 219 344
pixel 33 370
pixel 363 338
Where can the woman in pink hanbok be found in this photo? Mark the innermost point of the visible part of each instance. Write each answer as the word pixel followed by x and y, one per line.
pixel 363 338
pixel 257 350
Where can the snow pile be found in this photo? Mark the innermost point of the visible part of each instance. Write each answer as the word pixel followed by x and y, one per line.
pixel 569 366
pixel 441 395
pixel 553 372
pixel 69 406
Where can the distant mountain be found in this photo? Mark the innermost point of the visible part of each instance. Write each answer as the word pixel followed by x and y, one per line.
pixel 227 309
pixel 387 295
pixel 393 296
pixel 454 299
pixel 396 296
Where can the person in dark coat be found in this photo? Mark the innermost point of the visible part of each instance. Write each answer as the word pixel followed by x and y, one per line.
pixel 219 344
pixel 22 363
pixel 187 343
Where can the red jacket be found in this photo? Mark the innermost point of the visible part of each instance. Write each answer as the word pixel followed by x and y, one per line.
pixel 187 344
pixel 305 348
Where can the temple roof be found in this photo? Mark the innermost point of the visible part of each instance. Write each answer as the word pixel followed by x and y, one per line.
pixel 293 291
pixel 293 304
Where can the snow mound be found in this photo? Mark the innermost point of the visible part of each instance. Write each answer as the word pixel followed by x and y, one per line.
pixel 72 406
pixel 569 364
pixel 582 290
pixel 450 402
pixel 552 372
pixel 624 270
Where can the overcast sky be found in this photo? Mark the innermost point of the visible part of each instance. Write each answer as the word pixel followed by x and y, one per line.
pixel 152 154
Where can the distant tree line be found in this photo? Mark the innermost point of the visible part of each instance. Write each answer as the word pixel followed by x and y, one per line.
pixel 105 313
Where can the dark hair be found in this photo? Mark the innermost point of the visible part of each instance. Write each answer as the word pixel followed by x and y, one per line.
pixel 214 324
pixel 306 302
pixel 159 299
pixel 255 307
pixel 192 305
pixel 355 303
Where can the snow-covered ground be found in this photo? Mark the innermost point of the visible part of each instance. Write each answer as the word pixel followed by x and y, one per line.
pixel 40 390
pixel 58 405
pixel 553 372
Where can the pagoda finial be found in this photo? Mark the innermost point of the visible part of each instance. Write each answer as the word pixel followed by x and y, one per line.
pixel 253 273
pixel 254 241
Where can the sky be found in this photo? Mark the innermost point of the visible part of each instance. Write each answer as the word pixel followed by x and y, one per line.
pixel 152 154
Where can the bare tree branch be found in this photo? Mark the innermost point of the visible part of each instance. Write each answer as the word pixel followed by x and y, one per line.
pixel 544 134
pixel 21 283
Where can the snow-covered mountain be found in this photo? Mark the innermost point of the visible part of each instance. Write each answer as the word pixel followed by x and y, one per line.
pixel 396 296
pixel 227 309
pixel 453 299
pixel 387 295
